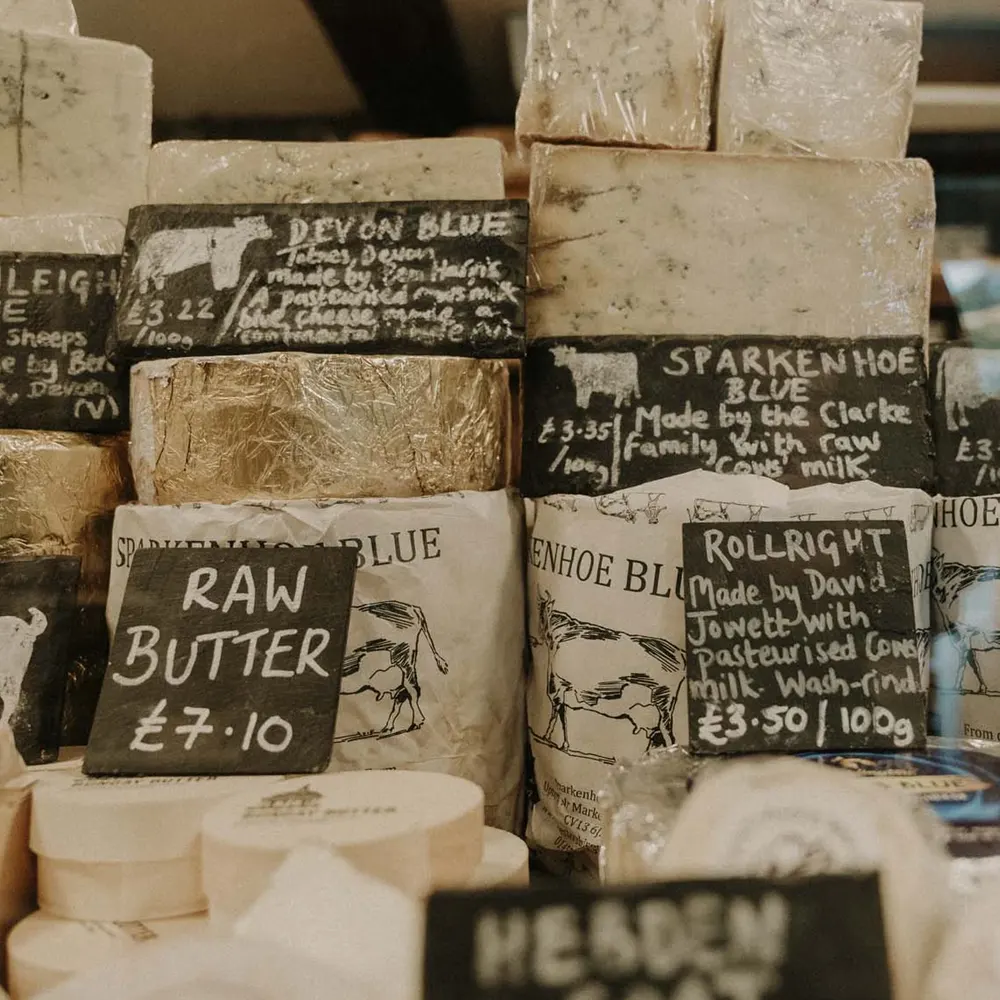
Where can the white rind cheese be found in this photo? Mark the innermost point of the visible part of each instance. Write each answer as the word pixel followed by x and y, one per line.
pixel 824 77
pixel 504 863
pixel 645 242
pixel 235 172
pixel 75 121
pixel 83 234
pixel 621 72
pixel 55 17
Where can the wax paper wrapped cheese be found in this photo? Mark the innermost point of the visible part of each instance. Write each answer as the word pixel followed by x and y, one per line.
pixel 822 77
pixel 649 242
pixel 55 17
pixel 74 234
pixel 632 73
pixel 236 172
pixel 439 586
pixel 289 426
pixel 76 124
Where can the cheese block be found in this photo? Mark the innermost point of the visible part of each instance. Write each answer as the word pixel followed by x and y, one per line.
pixel 77 234
pixel 17 865
pixel 819 77
pixel 632 73
pixel 966 965
pixel 76 117
pixel 650 242
pixel 504 863
pixel 237 172
pixel 788 818
pixel 44 951
pixel 414 830
pixel 55 17
pixel 288 426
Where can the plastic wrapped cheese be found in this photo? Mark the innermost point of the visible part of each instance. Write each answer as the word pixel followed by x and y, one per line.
pixel 55 17
pixel 238 172
pixel 76 125
pixel 824 77
pixel 649 242
pixel 83 234
pixel 289 426
pixel 632 73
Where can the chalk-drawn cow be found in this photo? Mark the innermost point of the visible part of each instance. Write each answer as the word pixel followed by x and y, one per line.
pixel 386 665
pixel 174 250
pixel 645 697
pixel 966 379
pixel 17 642
pixel 614 375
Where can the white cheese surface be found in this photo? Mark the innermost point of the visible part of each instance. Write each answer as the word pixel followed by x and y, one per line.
pixel 51 16
pixel 84 234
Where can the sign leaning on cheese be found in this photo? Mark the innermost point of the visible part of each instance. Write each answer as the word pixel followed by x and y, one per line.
pixel 433 676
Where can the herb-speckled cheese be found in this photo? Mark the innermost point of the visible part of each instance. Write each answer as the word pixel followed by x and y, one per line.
pixel 620 72
pixel 824 77
pixel 84 234
pixel 234 172
pixel 75 120
pixel 54 16
pixel 643 242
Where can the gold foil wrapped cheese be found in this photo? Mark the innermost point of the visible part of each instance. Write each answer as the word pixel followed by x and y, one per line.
pixel 298 426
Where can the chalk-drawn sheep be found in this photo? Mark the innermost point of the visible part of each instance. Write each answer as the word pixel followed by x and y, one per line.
pixel 614 375
pixel 174 250
pixel 966 379
pixel 17 640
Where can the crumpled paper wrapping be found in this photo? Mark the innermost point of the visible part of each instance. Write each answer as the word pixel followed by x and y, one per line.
pixel 298 426
pixel 237 172
pixel 84 234
pixel 58 494
pixel 650 242
pixel 819 77
pixel 630 73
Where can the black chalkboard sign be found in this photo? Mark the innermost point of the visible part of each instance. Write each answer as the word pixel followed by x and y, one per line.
pixel 801 636
pixel 225 662
pixel 605 413
pixel 37 618
pixel 820 938
pixel 56 314
pixel 965 390
pixel 443 277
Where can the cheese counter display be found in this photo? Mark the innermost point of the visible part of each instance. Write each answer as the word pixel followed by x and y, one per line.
pixel 412 591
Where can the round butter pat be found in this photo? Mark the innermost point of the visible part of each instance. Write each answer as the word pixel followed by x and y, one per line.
pixel 504 862
pixel 414 830
pixel 43 951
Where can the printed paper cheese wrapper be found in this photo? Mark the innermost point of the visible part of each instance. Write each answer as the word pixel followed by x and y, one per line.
pixel 607 629
pixel 433 678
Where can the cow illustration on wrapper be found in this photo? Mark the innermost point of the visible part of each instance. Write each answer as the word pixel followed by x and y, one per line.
pixel 17 641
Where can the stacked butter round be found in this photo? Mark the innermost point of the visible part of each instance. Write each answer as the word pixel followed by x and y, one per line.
pixel 417 831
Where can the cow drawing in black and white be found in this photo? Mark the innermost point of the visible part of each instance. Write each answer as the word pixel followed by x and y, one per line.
pixel 724 510
pixel 621 506
pixel 966 600
pixel 172 251
pixel 615 375
pixel 966 379
pixel 387 665
pixel 17 643
pixel 644 694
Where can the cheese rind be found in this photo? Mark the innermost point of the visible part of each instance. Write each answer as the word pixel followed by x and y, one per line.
pixel 648 242
pixel 822 77
pixel 236 172
pixel 292 426
pixel 75 125
pixel 504 862
pixel 55 17
pixel 83 234
pixel 629 73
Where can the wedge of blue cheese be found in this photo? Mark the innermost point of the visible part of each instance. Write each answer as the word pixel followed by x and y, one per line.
pixel 75 121
pixel 84 234
pixel 621 72
pixel 53 16
pixel 819 77
pixel 645 242
pixel 235 172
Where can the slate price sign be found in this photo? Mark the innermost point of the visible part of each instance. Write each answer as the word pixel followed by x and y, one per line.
pixel 801 636
pixel 56 311
pixel 733 939
pixel 437 277
pixel 965 384
pixel 605 413
pixel 37 619
pixel 225 662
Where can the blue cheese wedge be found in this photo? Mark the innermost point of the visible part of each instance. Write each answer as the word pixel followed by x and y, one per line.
pixel 51 16
pixel 86 234
pixel 75 120
pixel 225 173
pixel 819 77
pixel 644 242
pixel 622 72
